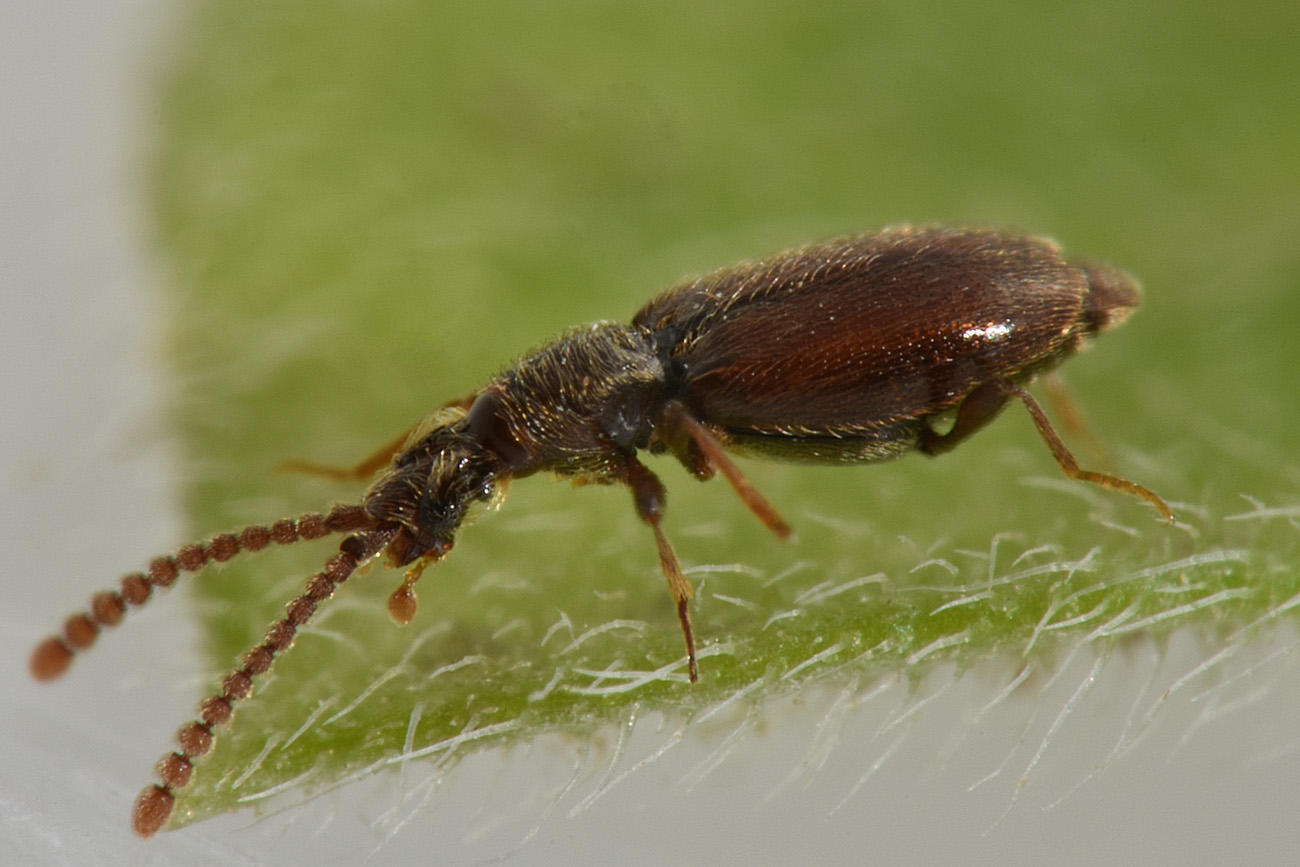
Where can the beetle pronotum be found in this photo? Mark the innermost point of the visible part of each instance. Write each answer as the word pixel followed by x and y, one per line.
pixel 848 351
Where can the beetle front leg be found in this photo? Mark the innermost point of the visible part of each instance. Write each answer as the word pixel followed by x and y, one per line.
pixel 650 498
pixel 374 462
pixel 360 472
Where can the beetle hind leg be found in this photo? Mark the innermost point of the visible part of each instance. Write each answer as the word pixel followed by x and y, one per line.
pixel 978 408
pixel 1070 466
pixel 983 404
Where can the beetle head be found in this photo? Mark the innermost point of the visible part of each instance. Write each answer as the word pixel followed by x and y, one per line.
pixel 431 488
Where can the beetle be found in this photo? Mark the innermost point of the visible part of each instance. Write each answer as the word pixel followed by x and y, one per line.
pixel 850 351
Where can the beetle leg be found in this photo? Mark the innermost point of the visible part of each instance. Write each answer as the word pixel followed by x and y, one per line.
pixel 402 602
pixel 372 463
pixel 1069 415
pixel 676 418
pixel 650 497
pixel 979 408
pixel 1070 466
pixel 361 472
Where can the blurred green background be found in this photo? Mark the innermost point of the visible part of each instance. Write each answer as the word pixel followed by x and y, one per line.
pixel 367 208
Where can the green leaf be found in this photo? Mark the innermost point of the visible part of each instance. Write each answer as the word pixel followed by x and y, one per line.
pixel 367 208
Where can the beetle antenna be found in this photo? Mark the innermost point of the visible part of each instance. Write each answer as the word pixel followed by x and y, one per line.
pixel 153 807
pixel 53 655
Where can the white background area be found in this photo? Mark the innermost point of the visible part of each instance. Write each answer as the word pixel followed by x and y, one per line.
pixel 1101 764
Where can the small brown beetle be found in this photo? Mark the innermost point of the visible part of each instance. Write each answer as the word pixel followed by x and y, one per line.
pixel 842 352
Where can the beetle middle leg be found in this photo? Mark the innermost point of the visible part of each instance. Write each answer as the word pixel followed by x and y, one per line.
pixel 680 425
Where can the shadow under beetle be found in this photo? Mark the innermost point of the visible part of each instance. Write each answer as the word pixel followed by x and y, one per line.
pixel 845 352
